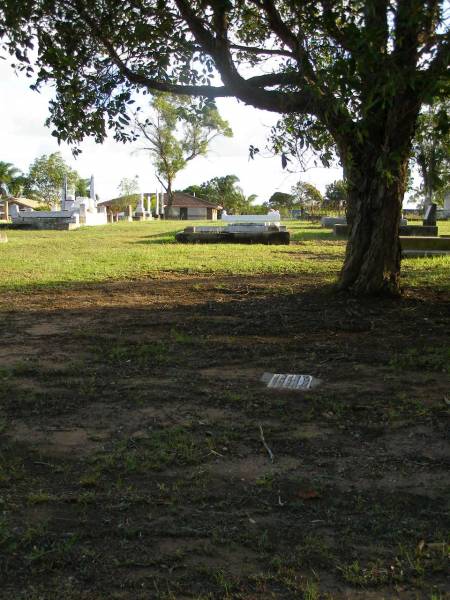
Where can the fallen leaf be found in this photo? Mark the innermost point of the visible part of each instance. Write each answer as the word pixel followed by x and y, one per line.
pixel 308 494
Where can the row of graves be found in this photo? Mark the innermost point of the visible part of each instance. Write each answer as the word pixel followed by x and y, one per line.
pixel 142 212
pixel 75 211
pixel 416 240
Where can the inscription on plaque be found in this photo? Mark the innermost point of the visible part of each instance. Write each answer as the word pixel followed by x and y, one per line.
pixel 287 381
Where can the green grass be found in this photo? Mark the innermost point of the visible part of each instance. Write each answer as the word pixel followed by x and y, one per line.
pixel 138 250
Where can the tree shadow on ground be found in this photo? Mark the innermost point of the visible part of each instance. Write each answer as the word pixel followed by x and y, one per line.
pixel 131 419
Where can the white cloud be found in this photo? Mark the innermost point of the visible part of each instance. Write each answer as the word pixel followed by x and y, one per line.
pixel 23 137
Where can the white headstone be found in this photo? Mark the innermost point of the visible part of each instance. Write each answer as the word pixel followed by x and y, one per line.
pixel 140 209
pixel 13 210
pixel 64 194
pixel 447 201
pixel 92 189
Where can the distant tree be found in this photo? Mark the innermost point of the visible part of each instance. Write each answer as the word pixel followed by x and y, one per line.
pixel 259 209
pixel 281 200
pixel 307 195
pixel 82 187
pixel 225 191
pixel 46 177
pixel 195 190
pixel 11 179
pixel 336 195
pixel 431 151
pixel 348 77
pixel 177 132
pixel 129 192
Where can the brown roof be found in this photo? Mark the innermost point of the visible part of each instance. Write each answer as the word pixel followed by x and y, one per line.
pixel 26 202
pixel 183 200
pixel 132 198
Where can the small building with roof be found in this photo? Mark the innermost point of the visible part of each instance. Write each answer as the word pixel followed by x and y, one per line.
pixel 187 207
pixel 184 206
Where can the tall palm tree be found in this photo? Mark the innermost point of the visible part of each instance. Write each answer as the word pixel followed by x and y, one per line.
pixel 11 179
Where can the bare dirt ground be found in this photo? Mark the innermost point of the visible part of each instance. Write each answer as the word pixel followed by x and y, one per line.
pixel 131 459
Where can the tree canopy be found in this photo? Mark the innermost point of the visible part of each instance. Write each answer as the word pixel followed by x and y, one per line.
pixel 177 132
pixel 336 195
pixel 11 178
pixel 226 192
pixel 431 151
pixel 348 76
pixel 45 178
pixel 129 193
pixel 307 195
pixel 82 186
pixel 281 201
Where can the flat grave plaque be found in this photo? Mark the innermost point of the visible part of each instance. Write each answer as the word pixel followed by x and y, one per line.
pixel 288 381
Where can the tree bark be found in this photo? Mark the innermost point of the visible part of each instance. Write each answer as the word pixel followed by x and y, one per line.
pixel 373 254
pixel 168 212
pixel 376 171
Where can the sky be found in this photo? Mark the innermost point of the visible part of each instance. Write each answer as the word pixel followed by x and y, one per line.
pixel 24 137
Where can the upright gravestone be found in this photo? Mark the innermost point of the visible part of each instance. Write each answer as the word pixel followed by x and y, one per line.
pixel 64 194
pixel 430 215
pixel 447 201
pixel 157 205
pixel 149 207
pixel 139 214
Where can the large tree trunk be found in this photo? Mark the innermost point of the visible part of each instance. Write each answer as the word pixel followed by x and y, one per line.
pixel 372 260
pixel 169 211
pixel 376 172
pixel 169 193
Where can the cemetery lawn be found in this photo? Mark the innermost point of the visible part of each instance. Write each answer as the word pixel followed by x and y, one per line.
pixel 134 428
pixel 130 251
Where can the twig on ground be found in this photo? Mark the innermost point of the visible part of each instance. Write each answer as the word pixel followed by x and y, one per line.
pixel 269 451
pixel 216 453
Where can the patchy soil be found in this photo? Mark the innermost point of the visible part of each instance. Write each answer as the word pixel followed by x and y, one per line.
pixel 131 459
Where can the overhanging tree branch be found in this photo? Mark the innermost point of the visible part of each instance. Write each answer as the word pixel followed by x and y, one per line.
pixel 269 52
pixel 339 34
pixel 220 52
pixel 437 73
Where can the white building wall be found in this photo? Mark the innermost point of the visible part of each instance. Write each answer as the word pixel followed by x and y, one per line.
pixel 197 213
pixel 172 212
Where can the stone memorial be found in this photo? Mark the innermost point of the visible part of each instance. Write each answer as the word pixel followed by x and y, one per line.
pixel 157 205
pixel 429 219
pixel 139 213
pixel 149 207
pixel 422 246
pixel 240 229
pixel 330 222
pixel 75 211
pixel 341 230
pixel 447 201
pixel 444 212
